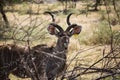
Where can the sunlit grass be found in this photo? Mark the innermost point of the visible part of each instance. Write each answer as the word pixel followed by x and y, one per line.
pixel 12 77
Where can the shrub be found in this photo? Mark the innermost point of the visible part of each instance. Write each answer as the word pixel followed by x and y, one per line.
pixel 101 34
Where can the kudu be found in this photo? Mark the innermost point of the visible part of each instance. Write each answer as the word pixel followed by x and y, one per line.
pixel 44 61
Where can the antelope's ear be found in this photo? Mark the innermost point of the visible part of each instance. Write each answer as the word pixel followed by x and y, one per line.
pixel 76 30
pixel 52 29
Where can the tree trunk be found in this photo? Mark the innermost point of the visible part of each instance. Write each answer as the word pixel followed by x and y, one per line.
pixel 66 6
pixel 97 4
pixel 4 15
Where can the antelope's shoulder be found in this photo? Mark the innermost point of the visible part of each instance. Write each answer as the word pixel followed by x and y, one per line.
pixel 13 47
pixel 42 47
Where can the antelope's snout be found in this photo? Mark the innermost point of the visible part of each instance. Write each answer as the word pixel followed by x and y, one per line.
pixel 65 41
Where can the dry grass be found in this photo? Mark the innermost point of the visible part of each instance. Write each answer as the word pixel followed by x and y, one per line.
pixel 12 77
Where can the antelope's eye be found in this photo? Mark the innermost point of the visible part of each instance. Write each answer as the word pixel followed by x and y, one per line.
pixel 68 34
pixel 60 34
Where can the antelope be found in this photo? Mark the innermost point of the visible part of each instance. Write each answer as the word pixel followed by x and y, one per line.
pixel 45 62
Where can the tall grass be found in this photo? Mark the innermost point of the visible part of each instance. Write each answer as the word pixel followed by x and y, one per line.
pixel 100 34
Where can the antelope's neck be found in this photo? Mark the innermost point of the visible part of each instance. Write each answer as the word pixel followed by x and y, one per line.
pixel 59 48
pixel 60 52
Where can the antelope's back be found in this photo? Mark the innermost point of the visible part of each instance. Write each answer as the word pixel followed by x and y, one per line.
pixel 10 56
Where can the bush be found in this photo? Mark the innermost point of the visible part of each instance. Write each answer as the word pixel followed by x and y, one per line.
pixel 101 34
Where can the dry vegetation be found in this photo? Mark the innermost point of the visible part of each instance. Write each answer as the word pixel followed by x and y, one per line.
pixel 84 49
